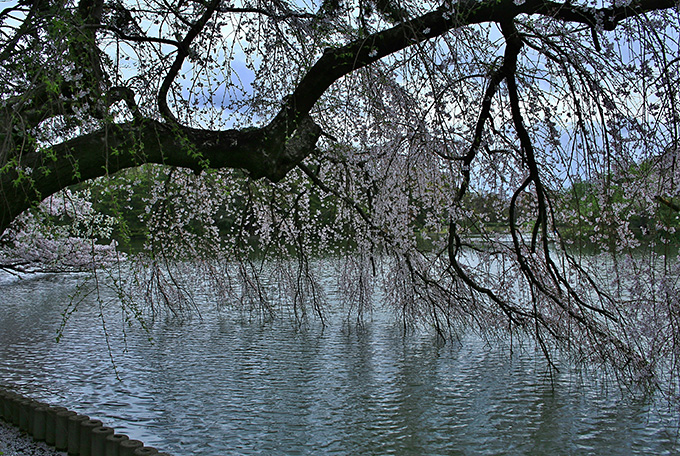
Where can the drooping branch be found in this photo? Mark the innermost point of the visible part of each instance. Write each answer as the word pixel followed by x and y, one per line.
pixel 84 50
pixel 182 52
pixel 506 70
pixel 591 319
pixel 514 314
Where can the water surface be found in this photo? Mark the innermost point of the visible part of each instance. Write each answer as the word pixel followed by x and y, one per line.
pixel 226 384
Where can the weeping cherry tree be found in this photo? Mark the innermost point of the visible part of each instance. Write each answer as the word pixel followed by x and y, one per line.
pixel 502 165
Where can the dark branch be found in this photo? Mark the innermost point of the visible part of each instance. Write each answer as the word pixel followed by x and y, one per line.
pixel 182 52
pixel 106 151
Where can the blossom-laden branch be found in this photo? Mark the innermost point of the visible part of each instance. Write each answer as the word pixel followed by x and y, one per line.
pixel 549 289
pixel 268 151
pixel 60 236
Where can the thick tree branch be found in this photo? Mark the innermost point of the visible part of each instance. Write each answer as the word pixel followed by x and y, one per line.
pixel 338 62
pixel 259 151
pixel 605 18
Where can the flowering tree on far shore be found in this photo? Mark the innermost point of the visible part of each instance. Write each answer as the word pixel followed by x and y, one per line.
pixel 62 234
pixel 502 165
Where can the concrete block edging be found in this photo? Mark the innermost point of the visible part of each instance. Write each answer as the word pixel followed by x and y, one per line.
pixel 65 430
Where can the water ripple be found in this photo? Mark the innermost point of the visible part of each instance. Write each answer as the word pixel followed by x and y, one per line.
pixel 226 385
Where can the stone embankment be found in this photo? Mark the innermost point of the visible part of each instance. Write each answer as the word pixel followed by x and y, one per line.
pixel 36 429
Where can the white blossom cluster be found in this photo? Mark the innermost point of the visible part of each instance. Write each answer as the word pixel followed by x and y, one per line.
pixel 63 234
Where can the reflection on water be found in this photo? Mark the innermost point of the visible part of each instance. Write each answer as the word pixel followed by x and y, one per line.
pixel 224 385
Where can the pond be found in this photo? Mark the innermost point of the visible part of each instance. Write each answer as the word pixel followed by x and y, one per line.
pixel 225 384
